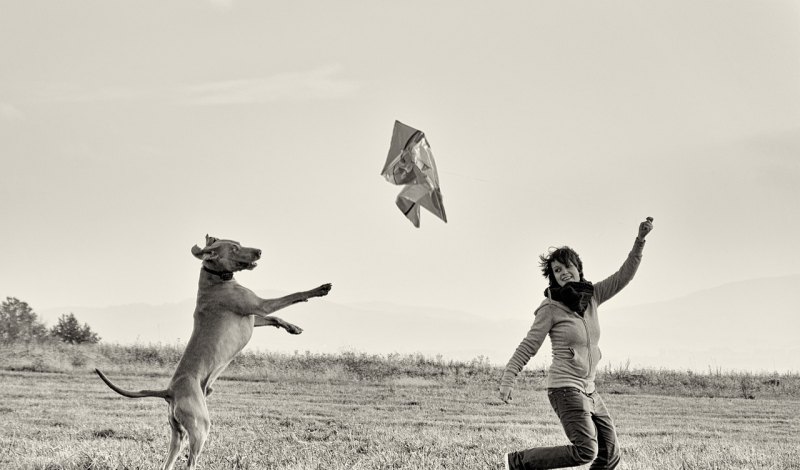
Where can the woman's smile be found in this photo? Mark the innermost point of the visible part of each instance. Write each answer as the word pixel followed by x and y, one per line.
pixel 565 273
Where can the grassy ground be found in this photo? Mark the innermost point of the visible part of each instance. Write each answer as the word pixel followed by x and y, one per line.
pixel 161 360
pixel 365 412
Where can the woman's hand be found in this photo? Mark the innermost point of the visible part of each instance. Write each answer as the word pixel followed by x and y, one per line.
pixel 505 393
pixel 645 228
pixel 506 385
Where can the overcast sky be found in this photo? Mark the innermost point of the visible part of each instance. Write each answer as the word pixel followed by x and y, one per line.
pixel 129 130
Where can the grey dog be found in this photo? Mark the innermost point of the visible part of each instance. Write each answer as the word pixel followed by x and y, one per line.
pixel 224 318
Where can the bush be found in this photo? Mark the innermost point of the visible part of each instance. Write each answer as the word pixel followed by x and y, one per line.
pixel 70 331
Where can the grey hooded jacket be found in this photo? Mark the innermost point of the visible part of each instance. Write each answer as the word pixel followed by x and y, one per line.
pixel 573 338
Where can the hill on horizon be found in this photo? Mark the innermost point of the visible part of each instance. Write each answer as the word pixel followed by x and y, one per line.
pixel 748 325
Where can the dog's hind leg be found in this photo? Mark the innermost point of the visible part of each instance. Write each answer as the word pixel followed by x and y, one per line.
pixel 192 413
pixel 175 442
pixel 196 441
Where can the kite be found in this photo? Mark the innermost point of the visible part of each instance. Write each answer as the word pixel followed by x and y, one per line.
pixel 410 163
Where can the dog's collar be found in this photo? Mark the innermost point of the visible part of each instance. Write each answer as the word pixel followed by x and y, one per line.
pixel 225 275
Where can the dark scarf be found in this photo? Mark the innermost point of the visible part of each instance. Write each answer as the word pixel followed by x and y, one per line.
pixel 575 295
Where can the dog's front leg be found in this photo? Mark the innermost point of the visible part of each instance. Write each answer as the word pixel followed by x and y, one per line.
pixel 268 306
pixel 277 323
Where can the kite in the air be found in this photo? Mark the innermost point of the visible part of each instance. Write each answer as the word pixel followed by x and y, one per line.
pixel 410 163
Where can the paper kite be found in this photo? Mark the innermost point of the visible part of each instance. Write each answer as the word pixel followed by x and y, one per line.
pixel 410 163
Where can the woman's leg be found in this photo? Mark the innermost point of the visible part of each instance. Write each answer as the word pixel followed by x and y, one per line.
pixel 574 410
pixel 608 455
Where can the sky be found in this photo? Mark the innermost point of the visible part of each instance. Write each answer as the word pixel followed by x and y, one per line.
pixel 130 130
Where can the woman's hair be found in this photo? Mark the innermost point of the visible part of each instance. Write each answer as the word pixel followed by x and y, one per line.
pixel 564 255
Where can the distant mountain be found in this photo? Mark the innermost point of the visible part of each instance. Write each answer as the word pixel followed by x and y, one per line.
pixel 142 323
pixel 329 327
pixel 749 325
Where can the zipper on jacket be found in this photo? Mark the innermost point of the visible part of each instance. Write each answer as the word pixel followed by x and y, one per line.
pixel 588 347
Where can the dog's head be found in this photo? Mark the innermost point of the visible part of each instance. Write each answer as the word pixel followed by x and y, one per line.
pixel 226 255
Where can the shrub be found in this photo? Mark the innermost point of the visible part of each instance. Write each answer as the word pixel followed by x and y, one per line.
pixel 70 331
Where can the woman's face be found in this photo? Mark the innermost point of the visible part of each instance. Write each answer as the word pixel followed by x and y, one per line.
pixel 565 273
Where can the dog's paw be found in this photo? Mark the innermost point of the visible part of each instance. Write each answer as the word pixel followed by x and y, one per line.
pixel 322 290
pixel 293 329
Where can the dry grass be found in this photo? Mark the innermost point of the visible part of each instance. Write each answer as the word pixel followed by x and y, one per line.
pixel 160 360
pixel 356 411
pixel 72 421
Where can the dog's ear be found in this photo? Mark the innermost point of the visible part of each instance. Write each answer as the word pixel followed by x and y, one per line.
pixel 204 254
pixel 210 240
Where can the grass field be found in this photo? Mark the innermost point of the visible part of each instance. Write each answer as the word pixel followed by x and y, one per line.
pixel 366 412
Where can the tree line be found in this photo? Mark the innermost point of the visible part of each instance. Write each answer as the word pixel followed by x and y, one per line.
pixel 18 322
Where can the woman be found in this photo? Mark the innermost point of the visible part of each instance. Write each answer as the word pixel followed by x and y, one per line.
pixel 569 315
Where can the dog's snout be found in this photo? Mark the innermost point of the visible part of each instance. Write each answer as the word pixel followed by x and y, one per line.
pixel 258 253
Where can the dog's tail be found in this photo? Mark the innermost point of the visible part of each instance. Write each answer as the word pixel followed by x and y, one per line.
pixel 140 394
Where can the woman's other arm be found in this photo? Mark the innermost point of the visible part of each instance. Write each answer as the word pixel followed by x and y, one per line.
pixel 527 348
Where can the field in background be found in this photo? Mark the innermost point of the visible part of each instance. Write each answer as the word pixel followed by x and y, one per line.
pixel 160 360
pixel 359 411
